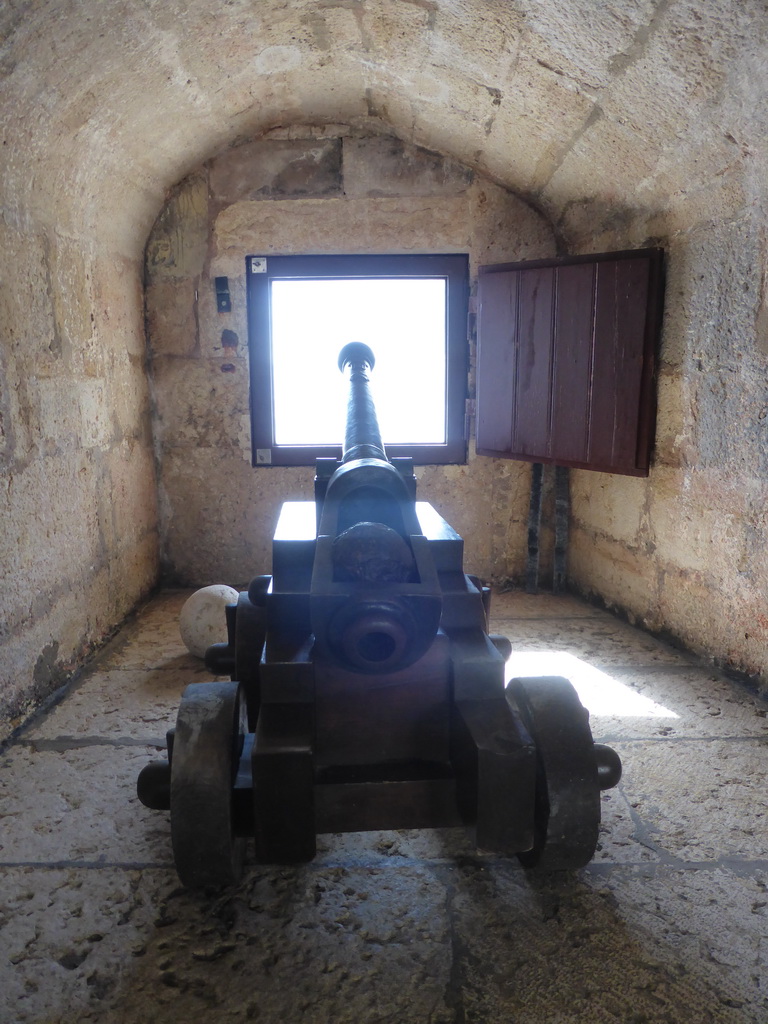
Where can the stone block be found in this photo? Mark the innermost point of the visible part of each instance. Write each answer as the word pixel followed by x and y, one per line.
pixel 504 228
pixel 623 578
pixel 598 641
pixel 539 103
pixel 510 494
pixel 129 399
pixel 584 43
pixel 313 132
pixel 171 320
pixel 592 226
pixel 26 309
pixel 692 532
pixel 277 168
pixel 724 784
pixel 41 546
pixel 580 173
pixel 462 496
pixel 484 40
pixel 57 419
pixel 514 606
pixel 222 335
pixel 398 225
pixel 48 629
pixel 690 611
pixel 609 505
pixel 95 413
pixel 220 514
pixel 118 306
pixel 72 299
pixel 132 491
pixel 386 166
pixel 179 239
pixel 676 701
pixel 676 209
pixel 673 446
pixel 102 819
pixel 199 402
pixel 677 67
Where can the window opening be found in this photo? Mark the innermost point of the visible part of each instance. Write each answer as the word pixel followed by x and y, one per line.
pixel 411 310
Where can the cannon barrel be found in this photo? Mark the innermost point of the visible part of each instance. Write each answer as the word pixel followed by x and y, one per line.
pixel 362 437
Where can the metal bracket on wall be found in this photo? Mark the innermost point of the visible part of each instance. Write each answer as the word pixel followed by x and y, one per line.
pixel 534 529
pixel 562 512
pixel 223 301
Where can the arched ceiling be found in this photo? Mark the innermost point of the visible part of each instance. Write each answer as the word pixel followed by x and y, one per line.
pixel 584 106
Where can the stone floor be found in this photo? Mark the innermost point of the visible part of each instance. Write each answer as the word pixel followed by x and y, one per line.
pixel 668 924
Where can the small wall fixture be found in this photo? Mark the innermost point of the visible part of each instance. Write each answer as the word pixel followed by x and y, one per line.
pixel 223 301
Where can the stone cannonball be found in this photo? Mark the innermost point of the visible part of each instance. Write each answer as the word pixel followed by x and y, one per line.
pixel 202 621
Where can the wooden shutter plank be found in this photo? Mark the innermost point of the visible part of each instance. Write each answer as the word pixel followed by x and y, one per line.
pixel 530 425
pixel 620 314
pixel 497 333
pixel 577 373
pixel 572 363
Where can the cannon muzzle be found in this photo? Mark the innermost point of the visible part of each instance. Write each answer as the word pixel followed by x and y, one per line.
pixel 362 437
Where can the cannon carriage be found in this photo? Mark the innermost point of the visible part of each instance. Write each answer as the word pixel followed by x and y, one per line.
pixel 366 692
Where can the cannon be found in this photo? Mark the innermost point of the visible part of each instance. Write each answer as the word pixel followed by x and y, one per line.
pixel 366 692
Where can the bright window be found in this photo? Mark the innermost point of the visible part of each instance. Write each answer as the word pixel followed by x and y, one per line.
pixel 411 310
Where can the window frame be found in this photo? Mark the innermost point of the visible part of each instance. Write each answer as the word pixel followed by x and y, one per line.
pixel 262 270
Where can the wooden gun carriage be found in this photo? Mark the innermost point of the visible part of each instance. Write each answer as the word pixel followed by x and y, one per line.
pixel 367 693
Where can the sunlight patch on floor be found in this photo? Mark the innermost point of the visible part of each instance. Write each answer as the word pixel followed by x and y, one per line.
pixel 598 691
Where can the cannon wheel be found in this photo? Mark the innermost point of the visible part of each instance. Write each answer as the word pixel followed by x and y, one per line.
pixel 210 727
pixel 567 797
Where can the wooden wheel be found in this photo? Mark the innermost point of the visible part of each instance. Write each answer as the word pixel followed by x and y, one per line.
pixel 210 727
pixel 250 632
pixel 567 798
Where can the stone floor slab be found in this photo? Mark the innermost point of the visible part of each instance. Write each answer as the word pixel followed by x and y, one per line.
pixel 78 804
pixel 600 642
pixel 700 801
pixel 667 925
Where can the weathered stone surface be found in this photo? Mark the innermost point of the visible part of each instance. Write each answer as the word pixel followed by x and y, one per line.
pixel 622 577
pixel 674 422
pixel 74 394
pixel 179 238
pixel 199 405
pixel 385 166
pixel 238 507
pixel 397 198
pixel 340 225
pixel 599 641
pixel 615 506
pixel 258 170
pixel 668 920
pixel 628 123
pixel 504 228
pixel 171 321
pixel 535 101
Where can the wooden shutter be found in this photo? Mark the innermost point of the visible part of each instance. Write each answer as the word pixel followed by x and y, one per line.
pixel 565 368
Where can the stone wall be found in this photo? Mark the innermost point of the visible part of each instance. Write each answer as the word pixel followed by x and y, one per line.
pixel 685 552
pixel 304 190
pixel 627 123
pixel 78 521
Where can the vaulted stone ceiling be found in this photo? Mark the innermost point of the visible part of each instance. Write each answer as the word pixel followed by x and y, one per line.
pixel 582 105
